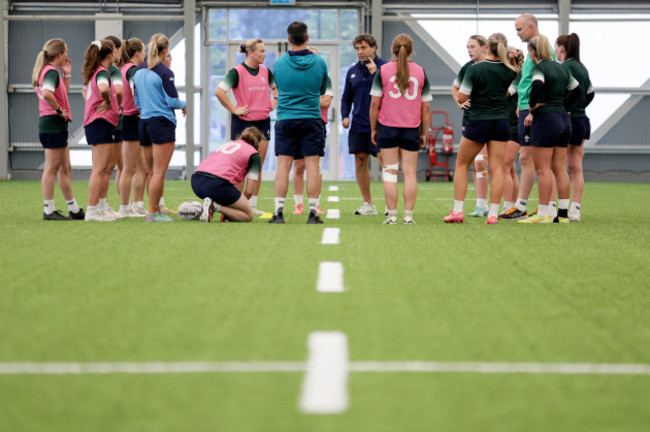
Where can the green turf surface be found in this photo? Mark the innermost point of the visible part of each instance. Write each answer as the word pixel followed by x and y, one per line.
pixel 186 291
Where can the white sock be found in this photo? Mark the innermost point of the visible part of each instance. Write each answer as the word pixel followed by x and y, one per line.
pixel 575 207
pixel 563 204
pixel 542 210
pixel 297 199
pixel 161 203
pixel 48 206
pixel 279 204
pixel 521 204
pixel 216 207
pixel 124 208
pixel 139 204
pixel 92 209
pixel 392 213
pixel 494 210
pixel 408 214
pixel 458 206
pixel 481 202
pixel 72 205
pixel 253 201
pixel 103 204
pixel 313 202
pixel 508 205
pixel 552 204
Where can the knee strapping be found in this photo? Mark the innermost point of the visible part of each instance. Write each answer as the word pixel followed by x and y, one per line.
pixel 480 158
pixel 390 177
pixel 481 174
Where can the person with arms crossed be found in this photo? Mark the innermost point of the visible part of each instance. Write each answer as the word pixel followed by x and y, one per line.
pixel 401 90
pixel 356 100
pixel 301 77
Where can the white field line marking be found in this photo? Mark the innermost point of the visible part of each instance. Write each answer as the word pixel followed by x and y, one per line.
pixel 330 277
pixel 334 189
pixel 333 198
pixel 29 368
pixel 325 385
pixel 333 214
pixel 331 236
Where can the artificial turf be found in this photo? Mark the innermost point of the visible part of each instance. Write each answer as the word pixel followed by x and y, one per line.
pixel 187 291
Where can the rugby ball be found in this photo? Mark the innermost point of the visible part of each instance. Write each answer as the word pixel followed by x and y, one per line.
pixel 190 210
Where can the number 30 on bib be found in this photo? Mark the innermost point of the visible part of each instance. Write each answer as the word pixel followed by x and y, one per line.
pixel 398 93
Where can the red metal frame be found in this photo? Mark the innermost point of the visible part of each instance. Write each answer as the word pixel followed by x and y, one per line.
pixel 438 169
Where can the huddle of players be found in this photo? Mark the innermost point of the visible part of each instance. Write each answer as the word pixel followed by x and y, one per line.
pixel 549 125
pixel 129 121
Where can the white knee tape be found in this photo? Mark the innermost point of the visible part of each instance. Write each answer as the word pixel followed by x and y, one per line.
pixel 480 158
pixel 389 177
pixel 482 174
pixel 320 166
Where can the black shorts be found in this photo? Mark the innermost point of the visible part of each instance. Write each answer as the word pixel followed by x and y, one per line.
pixel 391 137
pixel 550 129
pixel 322 153
pixel 100 132
pixel 522 131
pixel 238 125
pixel 130 127
pixel 156 130
pixel 361 142
pixel 117 137
pixel 299 137
pixel 514 135
pixel 54 140
pixel 482 131
pixel 220 190
pixel 580 130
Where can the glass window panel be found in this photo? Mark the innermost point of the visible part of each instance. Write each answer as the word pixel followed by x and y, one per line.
pixel 346 164
pixel 217 24
pixel 349 25
pixel 218 114
pixel 272 23
pixel 178 59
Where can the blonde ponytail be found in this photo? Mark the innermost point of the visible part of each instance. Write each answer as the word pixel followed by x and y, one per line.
pixel 402 50
pixel 157 44
pixel 541 45
pixel 498 47
pixel 51 49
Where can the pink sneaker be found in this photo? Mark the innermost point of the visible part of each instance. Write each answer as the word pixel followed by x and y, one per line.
pixel 492 220
pixel 298 210
pixel 319 211
pixel 454 217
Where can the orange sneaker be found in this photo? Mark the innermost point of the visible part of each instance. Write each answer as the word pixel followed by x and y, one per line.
pixel 299 209
pixel 454 217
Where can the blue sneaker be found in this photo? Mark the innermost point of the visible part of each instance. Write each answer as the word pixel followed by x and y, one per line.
pixel 158 217
pixel 479 212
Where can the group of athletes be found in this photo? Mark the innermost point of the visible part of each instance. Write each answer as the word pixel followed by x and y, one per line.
pixel 536 105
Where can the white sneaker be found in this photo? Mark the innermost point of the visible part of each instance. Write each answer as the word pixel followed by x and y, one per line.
pixel 574 216
pixel 208 210
pixel 128 213
pixel 391 220
pixel 258 212
pixel 138 211
pixel 366 209
pixel 112 213
pixel 408 220
pixel 98 216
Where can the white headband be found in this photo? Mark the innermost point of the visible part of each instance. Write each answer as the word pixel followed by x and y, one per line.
pixel 97 43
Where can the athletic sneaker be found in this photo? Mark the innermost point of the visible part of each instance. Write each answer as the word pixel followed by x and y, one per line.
pixel 299 209
pixel 208 210
pixel 366 209
pixel 536 219
pixel 98 216
pixel 257 212
pixel 139 210
pixel 314 218
pixel 454 217
pixel 492 220
pixel 574 217
pixel 128 213
pixel 55 215
pixel 111 212
pixel 80 215
pixel 408 220
pixel 319 211
pixel 277 218
pixel 558 219
pixel 534 212
pixel 165 210
pixel 385 211
pixel 479 212
pixel 513 213
pixel 391 220
pixel 158 217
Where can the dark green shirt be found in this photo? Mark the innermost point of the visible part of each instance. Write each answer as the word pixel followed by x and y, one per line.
pixel 487 83
pixel 580 73
pixel 513 120
pixel 457 83
pixel 116 79
pixel 557 81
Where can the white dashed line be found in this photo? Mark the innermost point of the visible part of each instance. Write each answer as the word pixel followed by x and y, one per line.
pixel 334 189
pixel 333 214
pixel 330 277
pixel 333 198
pixel 331 236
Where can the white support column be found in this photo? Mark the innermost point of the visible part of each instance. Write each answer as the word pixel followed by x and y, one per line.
pixel 564 9
pixel 4 111
pixel 188 25
pixel 205 87
pixel 377 23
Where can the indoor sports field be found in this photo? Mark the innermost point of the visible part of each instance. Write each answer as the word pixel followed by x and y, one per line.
pixel 131 326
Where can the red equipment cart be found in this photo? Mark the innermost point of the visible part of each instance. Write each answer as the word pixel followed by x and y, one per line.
pixel 446 135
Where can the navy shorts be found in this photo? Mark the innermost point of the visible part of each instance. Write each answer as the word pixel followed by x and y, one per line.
pixel 580 130
pixel 238 125
pixel 100 132
pixel 514 135
pixel 482 131
pixel 406 138
pixel 130 127
pixel 299 137
pixel 522 131
pixel 54 140
pixel 156 130
pixel 322 153
pixel 550 129
pixel 220 190
pixel 361 142
pixel 117 136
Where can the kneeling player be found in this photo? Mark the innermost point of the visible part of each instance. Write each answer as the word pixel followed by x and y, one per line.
pixel 216 176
